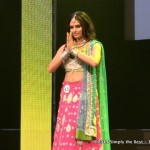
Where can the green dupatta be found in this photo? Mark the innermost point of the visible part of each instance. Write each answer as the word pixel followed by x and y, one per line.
pixel 94 85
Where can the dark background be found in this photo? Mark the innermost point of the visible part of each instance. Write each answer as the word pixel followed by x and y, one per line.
pixel 10 74
pixel 127 62
pixel 10 61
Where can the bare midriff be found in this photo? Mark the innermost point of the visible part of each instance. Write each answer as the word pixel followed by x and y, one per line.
pixel 73 76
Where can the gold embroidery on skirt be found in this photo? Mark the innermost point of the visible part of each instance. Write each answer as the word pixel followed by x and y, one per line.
pixel 69 98
pixel 64 98
pixel 68 128
pixel 63 119
pixel 75 98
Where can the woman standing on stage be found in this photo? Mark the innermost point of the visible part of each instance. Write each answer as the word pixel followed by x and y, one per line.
pixel 82 121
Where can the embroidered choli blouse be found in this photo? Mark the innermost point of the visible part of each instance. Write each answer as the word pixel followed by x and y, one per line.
pixel 74 64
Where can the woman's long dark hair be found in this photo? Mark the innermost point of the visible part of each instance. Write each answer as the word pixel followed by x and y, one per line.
pixel 86 23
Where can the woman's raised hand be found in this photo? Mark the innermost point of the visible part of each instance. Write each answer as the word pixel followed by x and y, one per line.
pixel 70 43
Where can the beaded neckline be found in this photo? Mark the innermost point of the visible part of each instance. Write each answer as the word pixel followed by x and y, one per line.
pixel 81 44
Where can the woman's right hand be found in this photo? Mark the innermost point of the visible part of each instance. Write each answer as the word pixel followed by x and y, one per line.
pixel 69 42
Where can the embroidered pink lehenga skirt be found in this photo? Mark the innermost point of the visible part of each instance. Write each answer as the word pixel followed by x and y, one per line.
pixel 64 136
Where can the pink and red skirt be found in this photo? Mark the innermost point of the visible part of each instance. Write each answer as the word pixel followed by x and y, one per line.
pixel 64 136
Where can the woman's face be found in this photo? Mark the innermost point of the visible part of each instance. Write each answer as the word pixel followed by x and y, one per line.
pixel 76 29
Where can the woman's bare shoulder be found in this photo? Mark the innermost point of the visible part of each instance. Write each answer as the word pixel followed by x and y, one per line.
pixel 61 48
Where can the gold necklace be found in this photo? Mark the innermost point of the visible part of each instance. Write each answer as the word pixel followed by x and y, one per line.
pixel 81 44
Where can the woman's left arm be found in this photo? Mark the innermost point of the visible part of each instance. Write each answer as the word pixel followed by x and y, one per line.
pixel 93 59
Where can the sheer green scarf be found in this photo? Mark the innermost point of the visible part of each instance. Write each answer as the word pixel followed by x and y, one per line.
pixel 94 85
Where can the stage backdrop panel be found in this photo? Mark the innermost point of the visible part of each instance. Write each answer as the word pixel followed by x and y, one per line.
pixel 137 19
pixel 35 79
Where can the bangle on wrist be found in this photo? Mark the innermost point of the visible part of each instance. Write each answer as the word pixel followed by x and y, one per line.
pixel 66 49
pixel 65 55
pixel 74 52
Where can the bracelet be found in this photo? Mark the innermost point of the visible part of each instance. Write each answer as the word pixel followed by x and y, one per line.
pixel 74 52
pixel 65 55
